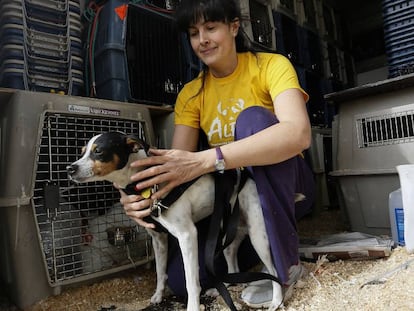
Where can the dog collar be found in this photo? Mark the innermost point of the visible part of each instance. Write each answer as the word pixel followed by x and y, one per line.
pixel 156 206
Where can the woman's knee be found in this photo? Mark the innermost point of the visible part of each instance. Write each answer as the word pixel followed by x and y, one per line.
pixel 252 120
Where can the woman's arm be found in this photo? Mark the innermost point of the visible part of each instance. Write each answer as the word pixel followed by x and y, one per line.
pixel 185 138
pixel 276 143
pixel 273 145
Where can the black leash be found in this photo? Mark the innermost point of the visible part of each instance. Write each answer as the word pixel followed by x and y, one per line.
pixel 222 199
pixel 220 227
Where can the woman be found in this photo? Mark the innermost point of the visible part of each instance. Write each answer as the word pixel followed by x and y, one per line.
pixel 253 112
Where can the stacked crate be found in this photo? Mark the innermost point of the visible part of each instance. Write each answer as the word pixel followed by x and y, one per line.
pixel 136 53
pixel 297 32
pixel 399 41
pixel 41 45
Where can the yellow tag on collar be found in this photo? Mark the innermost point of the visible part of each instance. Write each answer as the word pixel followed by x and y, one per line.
pixel 146 193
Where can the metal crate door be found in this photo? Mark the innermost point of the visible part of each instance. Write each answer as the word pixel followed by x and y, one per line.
pixel 82 228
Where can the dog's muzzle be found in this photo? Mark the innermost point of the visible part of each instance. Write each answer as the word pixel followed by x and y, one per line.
pixel 71 169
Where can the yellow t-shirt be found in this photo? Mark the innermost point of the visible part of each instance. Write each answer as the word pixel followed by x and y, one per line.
pixel 257 80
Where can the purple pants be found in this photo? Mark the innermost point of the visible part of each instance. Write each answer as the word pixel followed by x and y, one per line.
pixel 277 185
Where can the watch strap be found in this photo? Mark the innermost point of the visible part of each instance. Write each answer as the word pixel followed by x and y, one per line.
pixel 220 164
pixel 219 154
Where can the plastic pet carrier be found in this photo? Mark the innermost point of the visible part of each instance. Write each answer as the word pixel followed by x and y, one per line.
pixel 53 232
pixel 257 22
pixel 160 59
pixel 138 55
pixel 372 135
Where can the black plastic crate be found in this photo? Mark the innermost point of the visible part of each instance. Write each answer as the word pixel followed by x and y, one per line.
pixel 141 58
pixel 156 56
pixel 261 24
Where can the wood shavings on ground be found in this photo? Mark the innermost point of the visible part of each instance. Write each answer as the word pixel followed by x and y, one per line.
pixel 340 285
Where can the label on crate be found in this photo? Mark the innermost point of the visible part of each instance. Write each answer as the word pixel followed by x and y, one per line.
pixel 399 219
pixel 93 110
pixel 121 11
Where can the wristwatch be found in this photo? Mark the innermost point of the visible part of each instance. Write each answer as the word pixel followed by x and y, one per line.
pixel 220 164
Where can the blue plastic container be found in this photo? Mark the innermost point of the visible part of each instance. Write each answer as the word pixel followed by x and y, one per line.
pixel 396 211
pixel 398 19
pixel 40 45
pixel 13 78
pixel 11 51
pixel 111 74
pixel 390 7
pixel 110 61
pixel 58 17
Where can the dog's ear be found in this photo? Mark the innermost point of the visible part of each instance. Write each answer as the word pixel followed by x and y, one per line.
pixel 136 143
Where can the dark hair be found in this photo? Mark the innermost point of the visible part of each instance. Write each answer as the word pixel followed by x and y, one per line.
pixel 189 12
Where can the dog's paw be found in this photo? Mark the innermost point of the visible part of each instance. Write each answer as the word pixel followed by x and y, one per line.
pixel 156 298
pixel 212 292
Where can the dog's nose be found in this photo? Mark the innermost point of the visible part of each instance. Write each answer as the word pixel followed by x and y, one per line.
pixel 71 169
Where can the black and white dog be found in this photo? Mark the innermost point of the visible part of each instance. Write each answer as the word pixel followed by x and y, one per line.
pixel 108 157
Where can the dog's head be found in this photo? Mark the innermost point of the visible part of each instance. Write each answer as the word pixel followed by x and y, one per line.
pixel 107 157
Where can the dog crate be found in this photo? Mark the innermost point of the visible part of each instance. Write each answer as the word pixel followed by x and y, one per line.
pixel 53 232
pixel 373 133
pixel 257 22
pixel 41 48
pixel 288 7
pixel 138 55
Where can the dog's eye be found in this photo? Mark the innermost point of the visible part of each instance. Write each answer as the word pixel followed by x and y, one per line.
pixel 98 151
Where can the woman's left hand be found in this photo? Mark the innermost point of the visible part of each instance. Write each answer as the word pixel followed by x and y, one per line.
pixel 169 168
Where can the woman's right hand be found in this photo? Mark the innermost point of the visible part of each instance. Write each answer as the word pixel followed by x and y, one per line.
pixel 136 207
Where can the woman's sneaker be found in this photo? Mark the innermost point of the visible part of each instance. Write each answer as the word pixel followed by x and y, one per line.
pixel 259 294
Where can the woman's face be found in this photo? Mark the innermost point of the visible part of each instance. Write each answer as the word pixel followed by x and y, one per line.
pixel 214 43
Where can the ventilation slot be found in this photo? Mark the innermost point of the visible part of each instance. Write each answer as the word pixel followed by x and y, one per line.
pixel 388 129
